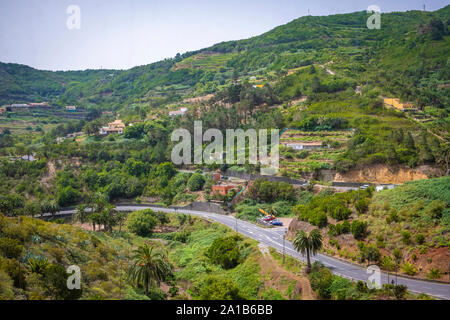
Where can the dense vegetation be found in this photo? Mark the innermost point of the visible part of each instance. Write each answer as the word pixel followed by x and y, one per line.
pixel 322 77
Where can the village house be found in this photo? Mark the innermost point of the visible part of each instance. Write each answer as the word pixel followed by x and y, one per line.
pixel 71 108
pixel 305 145
pixel 39 104
pixel 2 111
pixel 177 113
pixel 75 134
pixel 222 189
pixel 407 106
pixel 114 127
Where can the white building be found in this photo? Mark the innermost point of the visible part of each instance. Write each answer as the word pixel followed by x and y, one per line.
pixel 177 113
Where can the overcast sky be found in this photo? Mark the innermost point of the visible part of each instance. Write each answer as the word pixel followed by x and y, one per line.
pixel 122 34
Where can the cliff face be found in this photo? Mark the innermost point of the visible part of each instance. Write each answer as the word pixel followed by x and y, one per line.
pixel 385 174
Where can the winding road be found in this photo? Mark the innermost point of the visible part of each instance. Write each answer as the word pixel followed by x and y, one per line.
pixel 273 237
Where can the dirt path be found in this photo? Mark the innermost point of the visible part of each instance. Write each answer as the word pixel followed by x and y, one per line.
pixel 49 175
pixel 279 276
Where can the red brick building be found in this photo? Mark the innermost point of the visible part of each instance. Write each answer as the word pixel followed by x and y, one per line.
pixel 222 189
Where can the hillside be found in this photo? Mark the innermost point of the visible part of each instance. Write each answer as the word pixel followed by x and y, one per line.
pixel 369 56
pixel 402 230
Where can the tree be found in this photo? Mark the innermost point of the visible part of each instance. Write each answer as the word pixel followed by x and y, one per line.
pixel 149 267
pixel 92 128
pixel 308 244
pixel 109 217
pixel 50 206
pixel 196 182
pixel 121 217
pixel 225 252
pixel 142 222
pixel 81 214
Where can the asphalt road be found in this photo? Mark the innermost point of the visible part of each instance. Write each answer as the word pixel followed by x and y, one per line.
pixel 273 237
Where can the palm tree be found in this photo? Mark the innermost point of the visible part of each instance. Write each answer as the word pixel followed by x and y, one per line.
pixel 50 207
pixel 121 216
pixel 81 215
pixel 308 244
pixel 149 266
pixel 109 217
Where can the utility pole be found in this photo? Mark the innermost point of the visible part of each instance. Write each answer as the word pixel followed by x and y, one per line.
pixel 284 246
pixel 235 226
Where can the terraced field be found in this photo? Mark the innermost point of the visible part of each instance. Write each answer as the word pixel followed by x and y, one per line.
pixel 319 150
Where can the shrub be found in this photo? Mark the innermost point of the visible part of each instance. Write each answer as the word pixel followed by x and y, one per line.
pixel 55 284
pixel 359 229
pixel 270 191
pixel 315 217
pixel 340 213
pixel 217 288
pixel 225 252
pixel 362 205
pixel 388 264
pixel 409 269
pixel 67 196
pixel 434 274
pixel 343 228
pixel 339 288
pixel 420 238
pixel 400 291
pixel 318 218
pixel 196 182
pixel 370 253
pixel 321 281
pixel 406 237
pixel 10 248
pixel 6 286
pixel 436 208
pixel 156 294
pixel 141 222
pixel 334 243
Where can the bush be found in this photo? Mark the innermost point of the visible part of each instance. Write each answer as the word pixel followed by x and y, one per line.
pixel 400 291
pixel 321 281
pixel 217 288
pixel 359 229
pixel 67 196
pixel 10 248
pixel 370 253
pixel 55 284
pixel 315 216
pixel 156 294
pixel 269 191
pixel 343 228
pixel 362 205
pixel 141 222
pixel 406 237
pixel 340 212
pixel 434 274
pixel 339 288
pixel 409 269
pixel 435 209
pixel 196 182
pixel 225 252
pixel 420 238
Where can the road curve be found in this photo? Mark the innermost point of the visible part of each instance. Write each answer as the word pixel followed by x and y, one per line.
pixel 274 238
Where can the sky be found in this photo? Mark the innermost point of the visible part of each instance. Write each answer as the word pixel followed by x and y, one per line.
pixel 120 34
